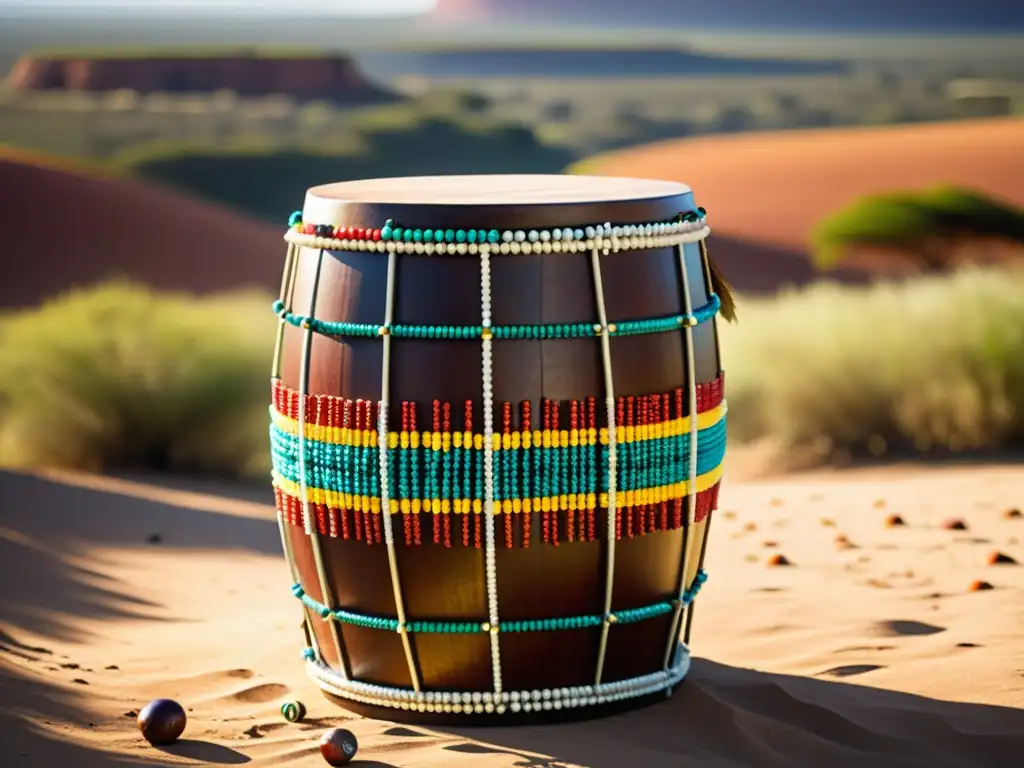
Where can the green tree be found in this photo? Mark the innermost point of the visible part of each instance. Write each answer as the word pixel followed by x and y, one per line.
pixel 925 227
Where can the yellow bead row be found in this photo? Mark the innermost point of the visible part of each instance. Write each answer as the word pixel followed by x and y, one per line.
pixel 546 438
pixel 561 503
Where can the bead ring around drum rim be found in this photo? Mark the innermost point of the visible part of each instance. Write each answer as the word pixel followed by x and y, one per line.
pixel 524 332
pixel 693 234
pixel 626 616
pixel 490 702
pixel 391 232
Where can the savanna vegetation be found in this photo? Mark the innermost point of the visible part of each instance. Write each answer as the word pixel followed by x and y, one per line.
pixel 930 230
pixel 118 376
pixel 203 143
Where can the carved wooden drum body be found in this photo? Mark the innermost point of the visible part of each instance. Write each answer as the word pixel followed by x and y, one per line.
pixel 498 429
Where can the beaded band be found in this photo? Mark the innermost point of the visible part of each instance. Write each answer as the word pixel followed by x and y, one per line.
pixel 689 228
pixel 477 702
pixel 463 627
pixel 529 332
pixel 562 474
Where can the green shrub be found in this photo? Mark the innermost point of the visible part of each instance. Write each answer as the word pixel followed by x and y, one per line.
pixel 924 226
pixel 120 377
pixel 933 364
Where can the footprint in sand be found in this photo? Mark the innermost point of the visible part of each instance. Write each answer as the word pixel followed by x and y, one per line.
pixel 849 670
pixel 863 648
pixel 260 694
pixel 903 628
pixel 405 732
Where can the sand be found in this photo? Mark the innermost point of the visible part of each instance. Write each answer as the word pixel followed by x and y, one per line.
pixel 868 654
pixel 66 226
pixel 773 187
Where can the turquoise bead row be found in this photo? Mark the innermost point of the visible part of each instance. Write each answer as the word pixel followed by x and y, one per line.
pixel 527 332
pixel 627 616
pixel 535 472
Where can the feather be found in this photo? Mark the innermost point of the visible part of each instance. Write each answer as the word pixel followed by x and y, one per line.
pixel 725 293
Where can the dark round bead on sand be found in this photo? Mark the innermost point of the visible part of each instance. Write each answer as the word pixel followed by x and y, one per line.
pixel 338 746
pixel 162 721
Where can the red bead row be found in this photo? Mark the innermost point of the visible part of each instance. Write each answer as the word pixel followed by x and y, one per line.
pixel 631 411
pixel 345 233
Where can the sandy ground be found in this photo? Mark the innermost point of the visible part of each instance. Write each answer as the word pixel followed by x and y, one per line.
pixel 773 187
pixel 871 653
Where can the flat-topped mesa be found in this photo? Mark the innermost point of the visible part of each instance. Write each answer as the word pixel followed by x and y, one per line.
pixel 248 74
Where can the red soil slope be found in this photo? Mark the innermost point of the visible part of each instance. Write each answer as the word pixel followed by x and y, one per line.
pixel 65 228
pixel 770 189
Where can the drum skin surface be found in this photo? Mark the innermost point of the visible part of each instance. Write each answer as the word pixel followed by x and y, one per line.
pixel 446 581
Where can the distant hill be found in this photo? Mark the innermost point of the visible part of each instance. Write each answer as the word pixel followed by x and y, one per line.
pixel 68 228
pixel 574 61
pixel 246 73
pixel 832 15
pixel 772 188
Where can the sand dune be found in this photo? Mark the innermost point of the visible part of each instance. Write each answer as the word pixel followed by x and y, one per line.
pixel 772 188
pixel 65 227
pixel 868 652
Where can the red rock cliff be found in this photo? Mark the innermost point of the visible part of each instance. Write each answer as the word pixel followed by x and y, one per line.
pixel 328 77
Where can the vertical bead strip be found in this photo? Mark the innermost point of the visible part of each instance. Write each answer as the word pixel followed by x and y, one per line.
pixel 526 424
pixel 487 365
pixel 691 481
pixel 291 268
pixel 326 593
pixel 593 452
pixel 609 387
pixel 718 351
pixel 385 490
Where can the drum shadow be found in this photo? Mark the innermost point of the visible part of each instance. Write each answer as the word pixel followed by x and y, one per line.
pixel 723 715
pixel 50 527
pixel 206 751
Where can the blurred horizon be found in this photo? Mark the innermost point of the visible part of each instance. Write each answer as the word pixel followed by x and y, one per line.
pixel 747 16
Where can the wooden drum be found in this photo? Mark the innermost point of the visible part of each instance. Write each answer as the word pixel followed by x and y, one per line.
pixel 497 431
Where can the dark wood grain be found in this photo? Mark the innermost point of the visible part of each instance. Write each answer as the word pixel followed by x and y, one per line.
pixel 541 581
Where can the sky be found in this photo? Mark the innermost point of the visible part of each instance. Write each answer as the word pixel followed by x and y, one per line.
pixel 291 7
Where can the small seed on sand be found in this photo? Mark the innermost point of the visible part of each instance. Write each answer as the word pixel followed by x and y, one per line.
pixel 894 521
pixel 776 502
pixel 729 515
pixel 843 542
pixel 827 522
pixel 777 560
pixel 1013 514
pixel 879 503
pixel 979 585
pixel 999 558
pixel 770 544
pixel 954 524
pixel 750 527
